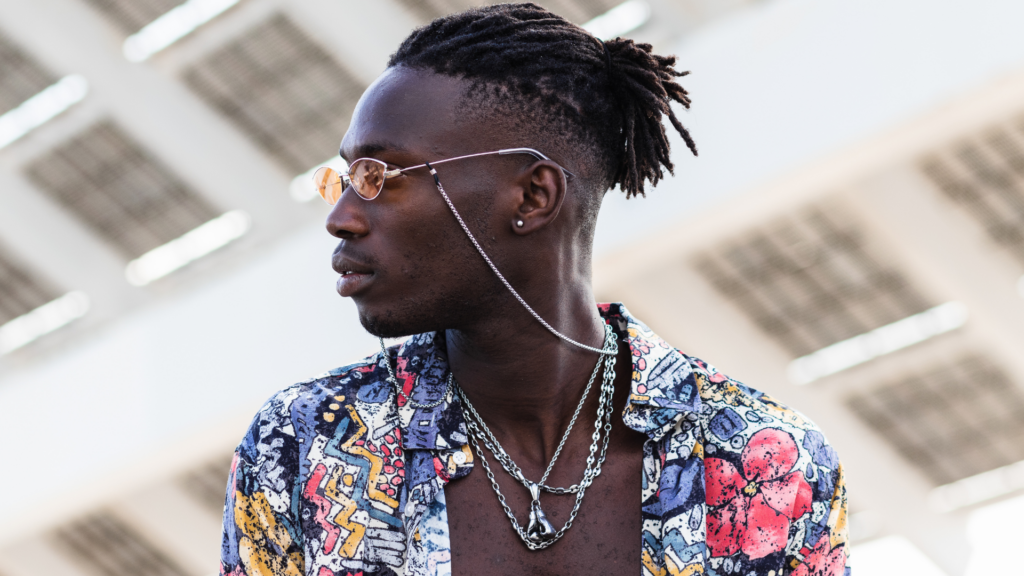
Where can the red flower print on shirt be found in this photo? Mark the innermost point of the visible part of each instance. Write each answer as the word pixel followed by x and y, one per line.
pixel 753 509
pixel 824 560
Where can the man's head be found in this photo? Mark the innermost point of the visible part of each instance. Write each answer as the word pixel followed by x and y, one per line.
pixel 505 76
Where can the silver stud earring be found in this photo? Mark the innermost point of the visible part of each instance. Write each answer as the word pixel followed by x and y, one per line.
pixel 519 223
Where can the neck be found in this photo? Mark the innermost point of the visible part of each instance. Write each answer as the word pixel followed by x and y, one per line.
pixel 524 381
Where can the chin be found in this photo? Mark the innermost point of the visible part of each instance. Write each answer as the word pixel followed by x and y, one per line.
pixel 393 323
pixel 405 317
pixel 383 326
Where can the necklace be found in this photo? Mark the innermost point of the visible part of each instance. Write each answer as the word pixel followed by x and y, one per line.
pixel 539 533
pixel 476 424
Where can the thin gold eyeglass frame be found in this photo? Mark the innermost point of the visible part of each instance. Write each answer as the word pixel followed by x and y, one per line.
pixel 346 177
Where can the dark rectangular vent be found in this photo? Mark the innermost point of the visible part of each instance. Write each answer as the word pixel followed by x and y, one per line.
pixel 283 90
pixel 207 484
pixel 133 15
pixel 21 77
pixel 985 176
pixel 578 11
pixel 106 546
pixel 810 280
pixel 120 190
pixel 954 421
pixel 21 291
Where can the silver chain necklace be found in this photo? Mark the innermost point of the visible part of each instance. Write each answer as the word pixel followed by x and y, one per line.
pixel 476 424
pixel 539 533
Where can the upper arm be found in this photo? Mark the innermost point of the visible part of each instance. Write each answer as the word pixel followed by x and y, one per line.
pixel 823 549
pixel 261 536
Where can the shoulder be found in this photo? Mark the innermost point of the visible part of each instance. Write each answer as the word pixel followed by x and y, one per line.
pixel 731 407
pixel 750 436
pixel 302 411
pixel 760 435
pixel 772 461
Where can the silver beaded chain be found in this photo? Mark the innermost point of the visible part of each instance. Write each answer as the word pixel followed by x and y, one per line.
pixel 480 434
pixel 476 424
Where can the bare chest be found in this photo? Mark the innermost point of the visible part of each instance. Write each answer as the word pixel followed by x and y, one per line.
pixel 605 537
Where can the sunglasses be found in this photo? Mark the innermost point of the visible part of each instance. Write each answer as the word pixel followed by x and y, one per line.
pixel 366 176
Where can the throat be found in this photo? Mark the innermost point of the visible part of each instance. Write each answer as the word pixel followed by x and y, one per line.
pixel 527 386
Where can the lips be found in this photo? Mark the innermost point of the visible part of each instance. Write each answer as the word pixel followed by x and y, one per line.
pixel 355 276
pixel 349 284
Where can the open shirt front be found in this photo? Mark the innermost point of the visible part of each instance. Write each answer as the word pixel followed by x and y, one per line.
pixel 339 476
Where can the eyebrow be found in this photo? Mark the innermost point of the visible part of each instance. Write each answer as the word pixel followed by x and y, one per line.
pixel 373 148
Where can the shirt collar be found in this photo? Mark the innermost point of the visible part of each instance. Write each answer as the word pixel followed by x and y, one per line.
pixel 663 386
pixel 422 371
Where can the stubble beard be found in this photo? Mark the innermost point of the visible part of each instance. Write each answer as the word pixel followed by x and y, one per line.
pixel 469 293
pixel 435 312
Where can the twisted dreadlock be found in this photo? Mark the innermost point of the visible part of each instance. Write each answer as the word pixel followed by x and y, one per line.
pixel 606 98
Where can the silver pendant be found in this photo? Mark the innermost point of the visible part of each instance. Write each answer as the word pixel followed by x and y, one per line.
pixel 539 529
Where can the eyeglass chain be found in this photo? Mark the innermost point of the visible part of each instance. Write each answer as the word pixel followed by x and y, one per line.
pixel 501 277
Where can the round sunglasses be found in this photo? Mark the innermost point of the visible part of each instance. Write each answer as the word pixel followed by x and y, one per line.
pixel 366 176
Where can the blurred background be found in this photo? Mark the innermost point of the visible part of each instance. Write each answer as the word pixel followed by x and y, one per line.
pixel 850 240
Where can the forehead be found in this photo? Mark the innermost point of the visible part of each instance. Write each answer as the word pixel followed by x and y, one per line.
pixel 409 112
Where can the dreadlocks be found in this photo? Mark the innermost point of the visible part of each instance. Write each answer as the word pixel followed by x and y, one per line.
pixel 603 99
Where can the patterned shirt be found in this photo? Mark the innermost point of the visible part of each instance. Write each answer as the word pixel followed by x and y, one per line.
pixel 340 476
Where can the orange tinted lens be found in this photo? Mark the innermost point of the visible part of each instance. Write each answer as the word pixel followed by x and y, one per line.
pixel 367 178
pixel 328 184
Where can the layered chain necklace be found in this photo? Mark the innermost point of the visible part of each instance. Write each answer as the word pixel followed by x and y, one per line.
pixel 539 533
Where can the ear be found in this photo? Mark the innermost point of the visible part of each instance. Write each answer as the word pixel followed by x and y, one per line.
pixel 543 188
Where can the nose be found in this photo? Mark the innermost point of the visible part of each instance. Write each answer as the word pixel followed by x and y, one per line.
pixel 347 219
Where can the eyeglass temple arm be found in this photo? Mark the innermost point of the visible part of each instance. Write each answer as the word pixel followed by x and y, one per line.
pixel 506 151
pixel 533 153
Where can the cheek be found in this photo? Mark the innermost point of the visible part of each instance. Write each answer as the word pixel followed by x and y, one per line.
pixel 438 254
pixel 428 242
pixel 432 252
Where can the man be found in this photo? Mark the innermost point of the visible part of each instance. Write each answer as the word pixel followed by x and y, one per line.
pixel 521 429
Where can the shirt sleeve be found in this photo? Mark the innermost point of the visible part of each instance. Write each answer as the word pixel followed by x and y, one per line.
pixel 824 548
pixel 261 535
